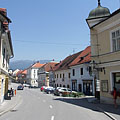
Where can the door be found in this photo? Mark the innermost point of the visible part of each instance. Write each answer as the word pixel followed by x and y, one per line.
pixel 87 88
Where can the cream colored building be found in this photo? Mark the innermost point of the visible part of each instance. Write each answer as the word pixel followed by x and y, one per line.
pixel 6 52
pixel 105 50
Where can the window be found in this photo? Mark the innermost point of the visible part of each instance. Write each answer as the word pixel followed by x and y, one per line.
pixel 34 75
pixel 116 40
pixel 81 71
pixel 7 60
pixel 90 71
pixel 3 57
pixel 68 86
pixel 57 75
pixel 73 72
pixel 63 75
pixel 116 77
pixel 68 75
pixel 60 75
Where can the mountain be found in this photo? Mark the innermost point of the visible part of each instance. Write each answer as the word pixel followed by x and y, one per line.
pixel 23 64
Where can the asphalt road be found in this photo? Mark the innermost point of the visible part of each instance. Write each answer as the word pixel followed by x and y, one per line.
pixel 36 105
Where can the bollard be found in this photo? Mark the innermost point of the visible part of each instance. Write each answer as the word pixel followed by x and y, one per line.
pixel 15 91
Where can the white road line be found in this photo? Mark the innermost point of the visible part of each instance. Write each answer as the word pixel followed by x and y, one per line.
pixel 52 118
pixel 51 106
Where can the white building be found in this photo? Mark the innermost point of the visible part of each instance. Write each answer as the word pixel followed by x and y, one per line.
pixel 45 74
pixel 32 74
pixel 6 53
pixel 62 72
pixel 81 74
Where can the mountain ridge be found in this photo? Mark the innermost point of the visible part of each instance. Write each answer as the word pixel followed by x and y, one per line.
pixel 24 64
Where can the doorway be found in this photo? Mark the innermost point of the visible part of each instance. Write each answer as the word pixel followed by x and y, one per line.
pixel 88 88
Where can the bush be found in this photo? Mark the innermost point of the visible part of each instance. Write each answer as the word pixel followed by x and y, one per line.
pixel 65 94
pixel 73 94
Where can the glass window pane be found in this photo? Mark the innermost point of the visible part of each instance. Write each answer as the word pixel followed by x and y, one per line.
pixel 118 44
pixel 117 33
pixel 114 45
pixel 117 78
pixel 113 35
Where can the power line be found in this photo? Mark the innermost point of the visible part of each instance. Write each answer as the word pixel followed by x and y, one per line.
pixel 48 43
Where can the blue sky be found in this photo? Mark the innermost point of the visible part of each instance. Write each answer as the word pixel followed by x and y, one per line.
pixel 50 29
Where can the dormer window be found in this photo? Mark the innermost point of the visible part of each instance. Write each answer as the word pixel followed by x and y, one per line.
pixel 81 58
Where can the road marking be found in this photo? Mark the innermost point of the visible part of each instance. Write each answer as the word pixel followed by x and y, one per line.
pixel 44 100
pixel 52 118
pixel 51 106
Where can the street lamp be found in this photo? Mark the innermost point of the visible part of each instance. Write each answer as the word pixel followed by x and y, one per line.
pixel 95 70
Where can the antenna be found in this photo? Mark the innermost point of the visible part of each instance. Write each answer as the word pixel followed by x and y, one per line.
pixel 74 50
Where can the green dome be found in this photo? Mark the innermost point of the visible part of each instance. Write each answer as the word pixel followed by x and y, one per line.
pixel 99 12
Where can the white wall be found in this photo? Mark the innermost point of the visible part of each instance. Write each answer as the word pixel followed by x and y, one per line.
pixel 78 76
pixel 66 79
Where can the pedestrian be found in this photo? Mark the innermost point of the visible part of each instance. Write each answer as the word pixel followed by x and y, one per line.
pixel 11 92
pixel 15 92
pixel 115 96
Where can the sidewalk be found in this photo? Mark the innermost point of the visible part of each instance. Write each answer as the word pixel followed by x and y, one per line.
pixel 8 105
pixel 108 109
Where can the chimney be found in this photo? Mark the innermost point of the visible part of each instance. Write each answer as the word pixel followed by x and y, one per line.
pixel 4 11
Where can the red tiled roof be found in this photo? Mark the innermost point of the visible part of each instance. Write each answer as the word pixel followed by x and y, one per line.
pixel 37 65
pixel 19 72
pixel 4 11
pixel 49 66
pixel 24 72
pixel 84 57
pixel 64 64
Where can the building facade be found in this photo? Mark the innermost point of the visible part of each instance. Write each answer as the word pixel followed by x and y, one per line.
pixel 32 74
pixel 105 49
pixel 81 74
pixel 46 74
pixel 6 52
pixel 63 73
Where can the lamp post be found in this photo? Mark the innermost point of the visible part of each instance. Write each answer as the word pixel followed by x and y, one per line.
pixel 96 79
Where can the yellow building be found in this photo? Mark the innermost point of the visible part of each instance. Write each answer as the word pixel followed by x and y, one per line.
pixel 6 52
pixel 105 50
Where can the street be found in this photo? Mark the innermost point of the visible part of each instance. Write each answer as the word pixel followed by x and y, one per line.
pixel 36 105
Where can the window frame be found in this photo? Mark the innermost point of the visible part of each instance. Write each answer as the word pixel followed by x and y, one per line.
pixel 81 71
pixel 73 72
pixel 111 39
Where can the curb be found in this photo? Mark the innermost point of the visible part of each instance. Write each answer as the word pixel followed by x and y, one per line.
pixel 10 108
pixel 106 113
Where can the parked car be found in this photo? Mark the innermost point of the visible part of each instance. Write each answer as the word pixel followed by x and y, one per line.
pixel 59 91
pixel 31 86
pixel 20 87
pixel 26 85
pixel 42 88
pixel 49 90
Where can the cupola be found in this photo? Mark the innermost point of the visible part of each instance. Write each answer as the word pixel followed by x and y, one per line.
pixel 98 14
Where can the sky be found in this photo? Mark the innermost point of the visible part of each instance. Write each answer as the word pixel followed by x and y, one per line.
pixel 50 29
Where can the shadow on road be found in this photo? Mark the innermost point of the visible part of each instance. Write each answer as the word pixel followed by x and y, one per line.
pixel 83 102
